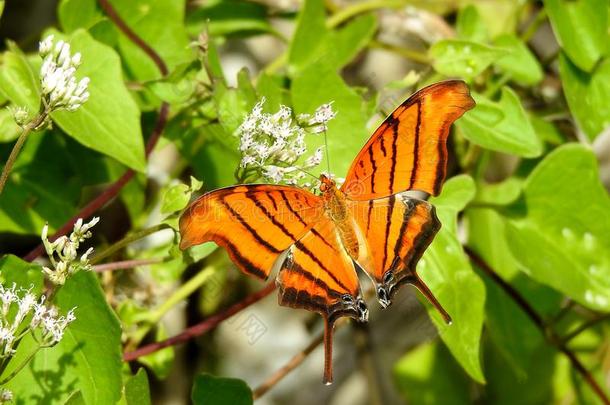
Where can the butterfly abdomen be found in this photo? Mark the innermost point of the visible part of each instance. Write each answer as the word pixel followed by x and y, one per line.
pixel 336 209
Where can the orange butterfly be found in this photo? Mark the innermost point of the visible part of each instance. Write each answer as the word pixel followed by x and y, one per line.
pixel 366 223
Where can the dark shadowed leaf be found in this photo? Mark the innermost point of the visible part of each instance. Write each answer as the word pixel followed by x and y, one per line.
pixel 211 390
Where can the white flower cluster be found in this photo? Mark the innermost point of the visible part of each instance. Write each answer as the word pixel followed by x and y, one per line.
pixel 6 396
pixel 65 248
pixel 44 323
pixel 274 143
pixel 59 86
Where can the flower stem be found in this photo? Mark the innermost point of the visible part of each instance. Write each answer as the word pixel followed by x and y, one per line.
pixel 127 240
pixel 180 294
pixel 39 119
pixel 348 12
pixel 20 366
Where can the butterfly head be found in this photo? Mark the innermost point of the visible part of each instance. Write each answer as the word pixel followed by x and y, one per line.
pixel 326 183
pixel 357 306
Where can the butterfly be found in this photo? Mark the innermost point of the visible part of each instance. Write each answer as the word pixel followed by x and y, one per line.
pixel 319 240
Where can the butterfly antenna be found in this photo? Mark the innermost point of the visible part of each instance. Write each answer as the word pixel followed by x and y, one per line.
pixel 306 172
pixel 327 154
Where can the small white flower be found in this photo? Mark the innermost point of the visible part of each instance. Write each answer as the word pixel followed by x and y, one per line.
pixel 315 159
pixel 57 76
pixel 273 144
pixel 45 46
pixel 274 173
pixel 5 395
pixel 21 115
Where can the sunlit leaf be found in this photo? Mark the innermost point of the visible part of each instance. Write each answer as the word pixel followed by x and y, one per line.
pixel 88 356
pixel 470 26
pixel 562 239
pixel 587 95
pixel 520 63
pixel 447 271
pixel 581 28
pixel 109 121
pixel 319 84
pixel 502 126
pixel 463 58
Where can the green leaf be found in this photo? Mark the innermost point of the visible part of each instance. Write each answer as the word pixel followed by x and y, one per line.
pixel 18 82
pixel 233 104
pixel 517 338
pixel 229 18
pixel 309 35
pixel 88 357
pixel 507 387
pixel 428 375
pixel 161 361
pixel 587 95
pixel 137 391
pixel 581 27
pixel 175 198
pixel 562 240
pixel 318 84
pixel 75 399
pixel 520 63
pixel 343 45
pixel 22 273
pixel 272 89
pixel 502 126
pixel 48 179
pixel 459 58
pixel 502 193
pixel 470 26
pixel 159 23
pixel 547 131
pixel 447 272
pixel 109 121
pixel 75 14
pixel 9 130
pixel 211 390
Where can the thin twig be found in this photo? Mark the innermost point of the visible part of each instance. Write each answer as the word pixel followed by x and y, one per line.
pixel 202 327
pixel 547 331
pixel 127 264
pixel 127 240
pixel 116 187
pixel 293 363
pixel 585 326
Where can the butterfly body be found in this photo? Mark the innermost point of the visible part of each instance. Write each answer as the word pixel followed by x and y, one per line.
pixel 367 223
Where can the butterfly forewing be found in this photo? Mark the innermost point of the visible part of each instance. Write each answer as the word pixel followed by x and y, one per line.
pixel 409 150
pixel 254 223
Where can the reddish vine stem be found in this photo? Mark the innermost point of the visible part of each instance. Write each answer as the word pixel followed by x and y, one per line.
pixel 548 332
pixel 112 191
pixel 135 38
pixel 202 327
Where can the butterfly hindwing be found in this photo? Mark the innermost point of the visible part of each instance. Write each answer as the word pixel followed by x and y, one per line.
pixel 397 230
pixel 318 275
pixel 409 150
pixel 254 223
